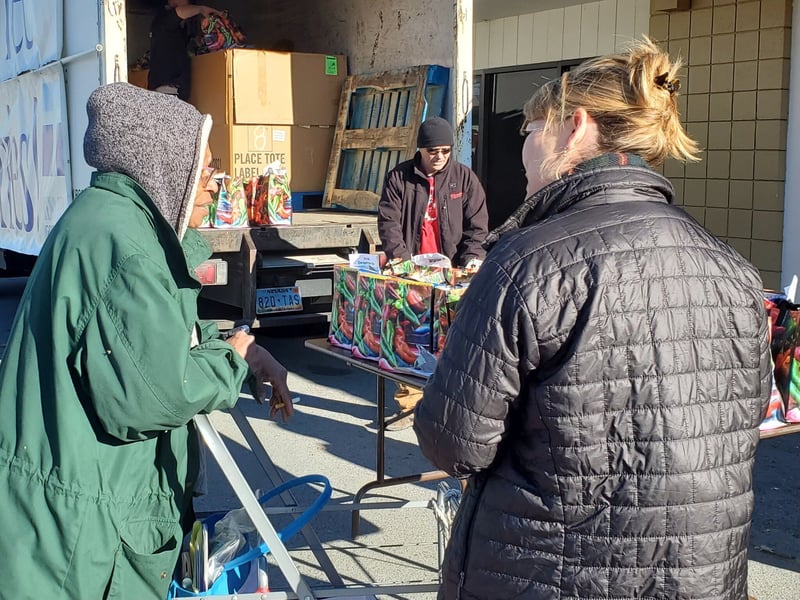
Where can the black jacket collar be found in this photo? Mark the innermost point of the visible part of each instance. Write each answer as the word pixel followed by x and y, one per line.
pixel 587 186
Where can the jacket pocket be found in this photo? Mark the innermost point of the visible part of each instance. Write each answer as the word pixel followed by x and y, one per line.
pixel 145 559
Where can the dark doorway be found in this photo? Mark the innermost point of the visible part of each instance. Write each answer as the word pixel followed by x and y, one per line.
pixel 499 98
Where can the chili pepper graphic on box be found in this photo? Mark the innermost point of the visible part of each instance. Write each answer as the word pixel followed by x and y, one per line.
pixel 445 303
pixel 367 316
pixel 406 327
pixel 343 308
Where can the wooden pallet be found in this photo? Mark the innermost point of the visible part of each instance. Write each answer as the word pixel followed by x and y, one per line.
pixel 379 116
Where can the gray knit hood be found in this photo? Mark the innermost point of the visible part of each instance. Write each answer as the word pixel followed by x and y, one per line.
pixel 155 139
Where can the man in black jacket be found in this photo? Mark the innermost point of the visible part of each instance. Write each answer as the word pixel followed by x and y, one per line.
pixel 431 204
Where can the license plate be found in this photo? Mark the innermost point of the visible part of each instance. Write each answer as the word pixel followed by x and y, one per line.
pixel 272 300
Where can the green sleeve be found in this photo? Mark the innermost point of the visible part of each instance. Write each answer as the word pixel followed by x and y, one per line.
pixel 208 331
pixel 134 362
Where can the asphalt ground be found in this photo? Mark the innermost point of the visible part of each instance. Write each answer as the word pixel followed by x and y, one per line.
pixel 333 434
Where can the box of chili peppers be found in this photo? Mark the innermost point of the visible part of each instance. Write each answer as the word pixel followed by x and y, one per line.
pixel 445 303
pixel 405 340
pixel 367 316
pixel 343 306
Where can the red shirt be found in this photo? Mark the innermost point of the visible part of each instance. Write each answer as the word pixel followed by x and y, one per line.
pixel 429 242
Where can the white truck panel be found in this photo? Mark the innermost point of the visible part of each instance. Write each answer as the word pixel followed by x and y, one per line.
pixel 114 33
pixel 461 80
pixel 81 30
pixel 31 35
pixel 88 64
pixel 82 75
pixel 34 179
pixel 34 173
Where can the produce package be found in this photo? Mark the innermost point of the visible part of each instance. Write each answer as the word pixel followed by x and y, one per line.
pixel 213 33
pixel 271 200
pixel 774 416
pixel 408 269
pixel 368 315
pixel 343 308
pixel 230 206
pixel 435 275
pixel 784 318
pixel 406 328
pixel 445 302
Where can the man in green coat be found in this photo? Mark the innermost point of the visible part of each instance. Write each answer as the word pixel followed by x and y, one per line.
pixel 107 364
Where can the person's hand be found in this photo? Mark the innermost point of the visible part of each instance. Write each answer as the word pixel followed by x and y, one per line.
pixel 192 10
pixel 473 265
pixel 207 11
pixel 265 368
pixel 398 266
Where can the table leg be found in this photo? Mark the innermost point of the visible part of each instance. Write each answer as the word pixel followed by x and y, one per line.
pixel 416 478
pixel 379 453
pixel 380 456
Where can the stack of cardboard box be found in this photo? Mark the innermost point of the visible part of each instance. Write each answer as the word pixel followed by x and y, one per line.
pixel 270 106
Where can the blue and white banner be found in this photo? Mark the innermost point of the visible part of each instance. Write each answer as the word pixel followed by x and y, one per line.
pixel 31 33
pixel 34 177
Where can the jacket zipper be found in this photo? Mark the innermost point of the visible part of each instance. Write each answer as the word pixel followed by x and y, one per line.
pixel 463 574
pixel 441 217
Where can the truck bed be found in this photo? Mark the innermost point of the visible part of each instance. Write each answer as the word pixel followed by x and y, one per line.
pixel 310 230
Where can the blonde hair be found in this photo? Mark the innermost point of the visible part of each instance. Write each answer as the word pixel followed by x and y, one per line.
pixel 632 96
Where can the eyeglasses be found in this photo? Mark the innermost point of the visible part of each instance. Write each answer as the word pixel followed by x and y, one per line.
pixel 530 126
pixel 435 151
pixel 206 175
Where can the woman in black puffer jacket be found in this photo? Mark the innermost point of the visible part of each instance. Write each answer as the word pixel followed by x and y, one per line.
pixel 605 377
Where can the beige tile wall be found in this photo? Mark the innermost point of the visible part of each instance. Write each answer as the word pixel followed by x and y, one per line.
pixel 734 101
pixel 575 31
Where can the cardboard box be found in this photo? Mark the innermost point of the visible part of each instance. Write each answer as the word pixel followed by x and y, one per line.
pixel 406 327
pixel 343 306
pixel 138 77
pixel 246 150
pixel 250 87
pixel 445 303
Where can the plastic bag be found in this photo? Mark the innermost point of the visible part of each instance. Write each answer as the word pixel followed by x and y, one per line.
pixel 230 208
pixel 272 204
pixel 232 533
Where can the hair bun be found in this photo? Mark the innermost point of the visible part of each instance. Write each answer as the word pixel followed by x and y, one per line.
pixel 665 83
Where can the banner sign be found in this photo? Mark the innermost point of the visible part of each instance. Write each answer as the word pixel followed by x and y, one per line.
pixel 34 180
pixel 31 33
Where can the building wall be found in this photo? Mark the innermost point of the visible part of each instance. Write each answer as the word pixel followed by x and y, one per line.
pixel 578 31
pixel 734 99
pixel 375 36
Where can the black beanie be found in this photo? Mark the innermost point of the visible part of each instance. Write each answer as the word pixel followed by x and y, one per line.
pixel 435 132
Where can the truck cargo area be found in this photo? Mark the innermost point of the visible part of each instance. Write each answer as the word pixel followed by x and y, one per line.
pixel 302 256
pixel 276 276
